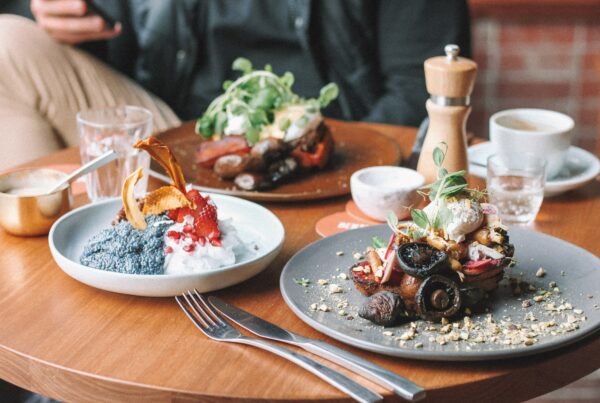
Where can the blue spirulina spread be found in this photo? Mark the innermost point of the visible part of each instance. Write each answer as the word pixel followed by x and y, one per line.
pixel 124 249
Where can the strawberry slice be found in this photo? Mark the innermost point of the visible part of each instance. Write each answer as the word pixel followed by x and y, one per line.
pixel 206 224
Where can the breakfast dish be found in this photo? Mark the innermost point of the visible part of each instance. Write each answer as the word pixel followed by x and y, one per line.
pixel 581 168
pixel 442 280
pixel 171 230
pixel 356 147
pixel 447 259
pixel 72 232
pixel 259 133
pixel 526 314
pixel 169 241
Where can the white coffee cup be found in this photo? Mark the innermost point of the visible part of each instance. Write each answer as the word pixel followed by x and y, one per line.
pixel 541 132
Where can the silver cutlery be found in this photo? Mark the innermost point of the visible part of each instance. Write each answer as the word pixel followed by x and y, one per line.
pixel 401 386
pixel 210 323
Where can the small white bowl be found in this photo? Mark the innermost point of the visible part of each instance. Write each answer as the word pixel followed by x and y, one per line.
pixel 381 189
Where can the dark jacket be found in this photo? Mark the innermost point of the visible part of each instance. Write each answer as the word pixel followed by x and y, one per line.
pixel 373 49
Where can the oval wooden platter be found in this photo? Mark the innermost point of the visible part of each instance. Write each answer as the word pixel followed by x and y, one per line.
pixel 356 147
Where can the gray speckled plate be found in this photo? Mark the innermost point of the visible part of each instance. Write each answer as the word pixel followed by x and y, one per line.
pixel 575 271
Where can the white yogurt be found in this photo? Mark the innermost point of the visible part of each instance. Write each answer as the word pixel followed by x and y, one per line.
pixel 202 258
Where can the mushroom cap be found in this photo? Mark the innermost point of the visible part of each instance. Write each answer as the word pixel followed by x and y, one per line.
pixel 438 297
pixel 420 259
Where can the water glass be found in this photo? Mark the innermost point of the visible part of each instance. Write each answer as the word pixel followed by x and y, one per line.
pixel 515 184
pixel 116 129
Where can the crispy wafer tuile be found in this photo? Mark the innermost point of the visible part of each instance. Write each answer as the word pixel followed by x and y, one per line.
pixel 161 154
pixel 130 205
pixel 163 199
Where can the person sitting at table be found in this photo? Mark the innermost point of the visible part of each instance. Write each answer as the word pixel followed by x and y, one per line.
pixel 173 56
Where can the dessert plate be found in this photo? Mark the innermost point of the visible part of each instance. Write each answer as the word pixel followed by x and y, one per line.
pixel 575 271
pixel 581 168
pixel 71 232
pixel 356 147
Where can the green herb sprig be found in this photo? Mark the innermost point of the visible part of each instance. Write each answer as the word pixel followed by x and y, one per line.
pixel 446 185
pixel 254 97
pixel 378 242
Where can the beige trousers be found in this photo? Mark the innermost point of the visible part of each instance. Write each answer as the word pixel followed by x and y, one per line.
pixel 43 84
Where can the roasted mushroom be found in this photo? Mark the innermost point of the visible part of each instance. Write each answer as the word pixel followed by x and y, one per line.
pixel 438 297
pixel 421 260
pixel 409 286
pixel 269 149
pixel 281 170
pixel 383 308
pixel 229 166
pixel 252 181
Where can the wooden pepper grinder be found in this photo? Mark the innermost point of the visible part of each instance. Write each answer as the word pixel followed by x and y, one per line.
pixel 450 81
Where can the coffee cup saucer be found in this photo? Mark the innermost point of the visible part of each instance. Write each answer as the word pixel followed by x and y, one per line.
pixel 581 167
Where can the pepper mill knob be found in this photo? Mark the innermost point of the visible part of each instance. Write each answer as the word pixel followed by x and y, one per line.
pixel 452 52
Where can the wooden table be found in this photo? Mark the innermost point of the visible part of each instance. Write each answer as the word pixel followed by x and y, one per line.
pixel 72 342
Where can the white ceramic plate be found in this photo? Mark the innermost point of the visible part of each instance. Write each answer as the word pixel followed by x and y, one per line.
pixel 581 168
pixel 71 232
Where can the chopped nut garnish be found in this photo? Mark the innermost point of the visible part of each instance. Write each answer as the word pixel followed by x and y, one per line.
pixel 322 281
pixel 526 303
pixel 387 333
pixel 578 311
pixel 343 276
pixel 341 312
pixel 357 255
pixel 339 253
pixel 408 335
pixel 314 307
pixel 323 308
pixel 540 272
pixel 419 345
pixel 538 298
pixel 552 284
pixel 335 289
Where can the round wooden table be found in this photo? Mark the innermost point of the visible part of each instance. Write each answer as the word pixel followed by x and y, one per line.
pixel 71 342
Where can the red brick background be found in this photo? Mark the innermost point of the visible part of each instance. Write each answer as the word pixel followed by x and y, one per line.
pixel 529 62
pixel 541 54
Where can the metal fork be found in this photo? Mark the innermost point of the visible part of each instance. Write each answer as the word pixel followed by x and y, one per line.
pixel 214 326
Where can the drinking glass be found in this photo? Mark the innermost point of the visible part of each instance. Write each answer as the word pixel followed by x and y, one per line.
pixel 118 128
pixel 515 184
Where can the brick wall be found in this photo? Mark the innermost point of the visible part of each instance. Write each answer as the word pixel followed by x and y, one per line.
pixel 528 61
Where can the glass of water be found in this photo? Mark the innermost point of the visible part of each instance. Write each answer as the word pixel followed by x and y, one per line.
pixel 118 128
pixel 515 184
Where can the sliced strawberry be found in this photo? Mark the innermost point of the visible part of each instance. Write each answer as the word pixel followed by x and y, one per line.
pixel 205 225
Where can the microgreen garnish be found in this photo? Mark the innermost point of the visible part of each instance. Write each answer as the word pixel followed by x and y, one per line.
pixel 447 185
pixel 254 97
pixel 378 242
pixel 392 221
pixel 304 282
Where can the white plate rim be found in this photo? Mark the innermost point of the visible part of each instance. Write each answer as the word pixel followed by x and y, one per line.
pixel 157 277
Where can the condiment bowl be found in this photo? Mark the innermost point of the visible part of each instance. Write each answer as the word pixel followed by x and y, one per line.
pixel 25 209
pixel 379 190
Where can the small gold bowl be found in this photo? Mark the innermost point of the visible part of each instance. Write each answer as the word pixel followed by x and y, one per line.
pixel 24 208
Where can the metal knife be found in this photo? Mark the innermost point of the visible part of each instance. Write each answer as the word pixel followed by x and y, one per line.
pixel 260 327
